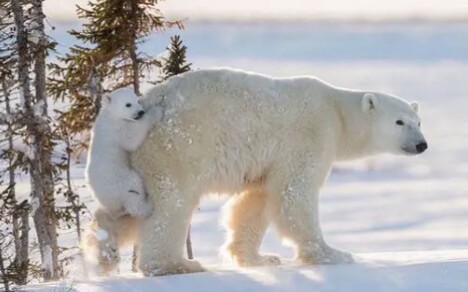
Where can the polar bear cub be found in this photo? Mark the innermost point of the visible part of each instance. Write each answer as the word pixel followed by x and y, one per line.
pixel 119 129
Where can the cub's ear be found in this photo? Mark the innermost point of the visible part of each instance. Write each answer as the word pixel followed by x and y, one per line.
pixel 369 102
pixel 106 99
pixel 415 106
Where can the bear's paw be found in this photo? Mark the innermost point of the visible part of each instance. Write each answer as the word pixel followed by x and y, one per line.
pixel 326 256
pixel 182 267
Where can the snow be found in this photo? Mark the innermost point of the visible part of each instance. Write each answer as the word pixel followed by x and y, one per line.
pixel 101 235
pixel 20 146
pixel 3 12
pixel 404 218
pixel 163 57
pixel 35 35
pixel 427 271
pixel 38 108
pixel 21 97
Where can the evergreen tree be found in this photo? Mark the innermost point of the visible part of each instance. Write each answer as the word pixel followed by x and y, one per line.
pixel 14 217
pixel 29 54
pixel 112 31
pixel 176 62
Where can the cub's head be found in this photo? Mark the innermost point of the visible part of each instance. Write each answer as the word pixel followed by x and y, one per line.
pixel 396 126
pixel 123 104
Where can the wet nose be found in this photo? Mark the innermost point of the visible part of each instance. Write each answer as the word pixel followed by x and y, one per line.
pixel 141 113
pixel 421 147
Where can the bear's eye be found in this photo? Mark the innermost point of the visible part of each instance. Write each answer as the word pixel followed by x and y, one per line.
pixel 419 124
pixel 400 123
pixel 128 105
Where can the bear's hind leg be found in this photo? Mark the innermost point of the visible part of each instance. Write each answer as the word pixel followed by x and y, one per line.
pixel 246 222
pixel 100 244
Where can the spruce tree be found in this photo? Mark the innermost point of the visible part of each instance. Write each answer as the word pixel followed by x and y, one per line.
pixel 14 216
pixel 30 50
pixel 176 61
pixel 108 58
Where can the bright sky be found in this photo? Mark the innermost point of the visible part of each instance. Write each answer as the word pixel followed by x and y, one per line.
pixel 288 9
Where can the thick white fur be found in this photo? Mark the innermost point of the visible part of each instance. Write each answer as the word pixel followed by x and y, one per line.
pixel 269 142
pixel 119 189
pixel 117 132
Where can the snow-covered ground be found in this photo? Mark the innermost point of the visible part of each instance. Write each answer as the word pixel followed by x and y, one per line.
pixel 428 271
pixel 406 218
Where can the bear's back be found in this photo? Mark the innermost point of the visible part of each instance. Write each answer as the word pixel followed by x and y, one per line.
pixel 201 88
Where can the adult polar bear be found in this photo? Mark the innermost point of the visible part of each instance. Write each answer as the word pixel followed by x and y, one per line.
pixel 271 144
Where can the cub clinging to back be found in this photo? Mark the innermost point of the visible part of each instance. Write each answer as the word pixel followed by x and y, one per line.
pixel 119 129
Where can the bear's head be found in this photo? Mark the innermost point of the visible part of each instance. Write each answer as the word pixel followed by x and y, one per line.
pixel 395 124
pixel 123 104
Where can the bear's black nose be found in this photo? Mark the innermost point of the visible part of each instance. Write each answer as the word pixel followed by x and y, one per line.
pixel 421 147
pixel 141 113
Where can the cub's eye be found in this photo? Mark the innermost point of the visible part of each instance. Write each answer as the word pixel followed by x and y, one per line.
pixel 399 123
pixel 419 124
pixel 128 105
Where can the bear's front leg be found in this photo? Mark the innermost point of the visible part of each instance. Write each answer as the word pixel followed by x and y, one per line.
pixel 296 216
pixel 163 235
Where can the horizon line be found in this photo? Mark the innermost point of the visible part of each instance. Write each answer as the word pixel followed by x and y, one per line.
pixel 356 20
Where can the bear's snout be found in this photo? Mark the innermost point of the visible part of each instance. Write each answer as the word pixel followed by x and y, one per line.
pixel 139 115
pixel 421 147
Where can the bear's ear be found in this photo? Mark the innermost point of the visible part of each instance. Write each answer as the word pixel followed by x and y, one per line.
pixel 415 106
pixel 106 99
pixel 369 102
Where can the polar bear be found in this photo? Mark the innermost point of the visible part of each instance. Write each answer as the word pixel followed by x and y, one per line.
pixel 120 128
pixel 270 143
